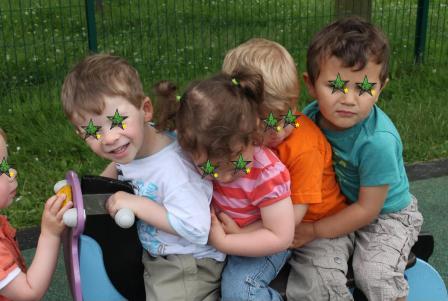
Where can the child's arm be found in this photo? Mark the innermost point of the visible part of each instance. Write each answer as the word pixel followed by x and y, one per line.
pixel 110 171
pixel 185 210
pixel 353 217
pixel 231 227
pixel 275 236
pixel 148 211
pixel 34 284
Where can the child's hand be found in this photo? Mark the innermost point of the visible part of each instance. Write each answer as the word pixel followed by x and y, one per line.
pixel 117 201
pixel 217 235
pixel 52 223
pixel 304 234
pixel 228 224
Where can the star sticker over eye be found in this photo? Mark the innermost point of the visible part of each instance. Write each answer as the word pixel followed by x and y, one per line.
pixel 117 120
pixel 271 123
pixel 4 168
pixel 365 86
pixel 338 84
pixel 208 169
pixel 241 164
pixel 290 119
pixel 91 130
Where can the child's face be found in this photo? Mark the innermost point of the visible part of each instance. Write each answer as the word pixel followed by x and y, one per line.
pixel 8 184
pixel 122 141
pixel 272 137
pixel 226 171
pixel 342 110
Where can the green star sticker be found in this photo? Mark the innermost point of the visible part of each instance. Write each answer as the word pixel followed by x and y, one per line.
pixel 271 122
pixel 91 130
pixel 338 84
pixel 208 169
pixel 290 119
pixel 241 164
pixel 117 120
pixel 365 86
pixel 4 168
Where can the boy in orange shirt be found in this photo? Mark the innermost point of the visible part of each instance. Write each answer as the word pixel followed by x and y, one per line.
pixel 319 268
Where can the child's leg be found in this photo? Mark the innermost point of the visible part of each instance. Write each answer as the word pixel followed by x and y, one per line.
pixel 381 253
pixel 181 277
pixel 319 270
pixel 248 278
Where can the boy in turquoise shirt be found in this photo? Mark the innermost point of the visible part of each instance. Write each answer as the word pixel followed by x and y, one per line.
pixel 347 67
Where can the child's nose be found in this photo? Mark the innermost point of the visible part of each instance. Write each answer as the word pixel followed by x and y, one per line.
pixel 110 136
pixel 349 97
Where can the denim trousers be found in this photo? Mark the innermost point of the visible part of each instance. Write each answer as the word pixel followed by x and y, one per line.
pixel 248 278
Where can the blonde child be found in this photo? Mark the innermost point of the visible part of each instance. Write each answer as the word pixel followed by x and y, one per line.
pixel 319 267
pixel 16 283
pixel 103 97
pixel 217 125
pixel 347 67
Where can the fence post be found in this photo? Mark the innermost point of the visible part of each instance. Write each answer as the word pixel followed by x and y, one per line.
pixel 421 26
pixel 91 25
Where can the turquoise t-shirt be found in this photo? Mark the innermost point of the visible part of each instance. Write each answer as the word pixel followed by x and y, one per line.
pixel 369 154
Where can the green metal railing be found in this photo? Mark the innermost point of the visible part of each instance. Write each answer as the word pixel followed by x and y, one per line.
pixel 186 39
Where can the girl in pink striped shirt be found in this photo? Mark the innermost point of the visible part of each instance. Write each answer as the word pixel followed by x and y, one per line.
pixel 217 125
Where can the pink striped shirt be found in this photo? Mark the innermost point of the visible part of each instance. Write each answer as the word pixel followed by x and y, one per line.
pixel 267 183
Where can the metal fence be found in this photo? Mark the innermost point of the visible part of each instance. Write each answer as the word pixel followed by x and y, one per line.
pixel 185 39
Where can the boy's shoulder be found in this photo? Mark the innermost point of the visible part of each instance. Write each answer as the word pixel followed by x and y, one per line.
pixel 170 162
pixel 305 138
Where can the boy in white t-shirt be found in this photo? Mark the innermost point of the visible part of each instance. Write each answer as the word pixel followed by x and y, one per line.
pixel 103 97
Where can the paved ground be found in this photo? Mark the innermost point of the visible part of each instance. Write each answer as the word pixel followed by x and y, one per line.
pixel 432 194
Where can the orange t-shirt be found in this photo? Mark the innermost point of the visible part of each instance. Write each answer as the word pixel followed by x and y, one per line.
pixel 10 256
pixel 307 155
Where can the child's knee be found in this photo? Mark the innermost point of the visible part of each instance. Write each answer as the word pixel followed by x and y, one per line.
pixel 380 281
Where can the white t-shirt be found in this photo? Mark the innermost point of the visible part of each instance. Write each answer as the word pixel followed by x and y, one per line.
pixel 169 178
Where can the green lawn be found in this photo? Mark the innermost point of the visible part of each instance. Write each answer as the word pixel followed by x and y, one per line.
pixel 184 40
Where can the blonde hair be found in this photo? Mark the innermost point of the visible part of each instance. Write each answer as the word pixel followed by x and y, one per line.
pixel 96 77
pixel 275 64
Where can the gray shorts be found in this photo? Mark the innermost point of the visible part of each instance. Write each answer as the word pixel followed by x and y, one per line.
pixel 182 278
pixel 319 270
pixel 381 253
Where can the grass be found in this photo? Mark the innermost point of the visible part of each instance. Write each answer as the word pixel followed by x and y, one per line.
pixel 184 40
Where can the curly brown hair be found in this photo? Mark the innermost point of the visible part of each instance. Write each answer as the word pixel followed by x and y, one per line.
pixel 216 114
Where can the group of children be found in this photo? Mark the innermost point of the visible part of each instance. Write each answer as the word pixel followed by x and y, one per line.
pixel 232 182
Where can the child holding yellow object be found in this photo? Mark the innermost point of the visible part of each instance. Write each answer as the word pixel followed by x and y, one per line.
pixel 16 283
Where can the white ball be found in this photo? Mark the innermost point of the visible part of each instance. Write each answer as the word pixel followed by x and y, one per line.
pixel 125 218
pixel 70 217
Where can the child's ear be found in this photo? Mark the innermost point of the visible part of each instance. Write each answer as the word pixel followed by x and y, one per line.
pixel 381 89
pixel 309 85
pixel 385 84
pixel 148 109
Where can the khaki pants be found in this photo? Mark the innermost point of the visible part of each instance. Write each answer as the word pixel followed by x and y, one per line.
pixel 319 270
pixel 381 253
pixel 182 278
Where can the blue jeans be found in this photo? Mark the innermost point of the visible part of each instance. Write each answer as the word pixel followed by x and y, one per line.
pixel 248 278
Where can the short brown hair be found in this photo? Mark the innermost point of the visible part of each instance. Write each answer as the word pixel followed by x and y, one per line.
pixel 352 40
pixel 217 113
pixel 95 77
pixel 275 64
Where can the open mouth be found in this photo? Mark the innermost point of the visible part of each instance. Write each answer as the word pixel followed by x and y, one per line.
pixel 120 150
